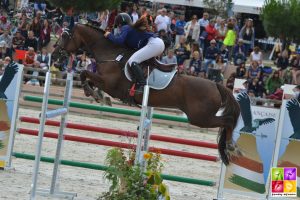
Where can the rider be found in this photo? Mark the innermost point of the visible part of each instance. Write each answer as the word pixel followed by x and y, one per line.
pixel 136 37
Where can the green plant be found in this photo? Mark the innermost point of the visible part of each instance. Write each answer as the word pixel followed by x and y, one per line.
pixel 281 19
pixel 86 5
pixel 1 145
pixel 128 182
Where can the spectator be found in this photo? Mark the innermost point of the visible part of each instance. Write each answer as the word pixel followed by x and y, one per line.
pixel 134 14
pixel 170 58
pixel 257 56
pixel 230 81
pixel 195 47
pixel 273 83
pixel 195 67
pixel 248 35
pixel 210 55
pixel 111 19
pixel 31 41
pixel 230 39
pixel 282 62
pixel 179 28
pixel 211 33
pixel 296 90
pixel 192 30
pixel 225 55
pixel 2 49
pixel 40 6
pixel 18 41
pixel 3 65
pixel 5 5
pixel 203 22
pixel 162 34
pixel 30 57
pixel 42 59
pixel 23 26
pixel 36 27
pixel 45 34
pixel 104 20
pixel 8 41
pixel 221 33
pixel 254 71
pixel 83 63
pixel 182 52
pixel 4 25
pixel 216 70
pixel 241 71
pixel 239 53
pixel 258 88
pixel 295 64
pixel 162 21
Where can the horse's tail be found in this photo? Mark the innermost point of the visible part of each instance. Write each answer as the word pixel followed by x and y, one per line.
pixel 231 111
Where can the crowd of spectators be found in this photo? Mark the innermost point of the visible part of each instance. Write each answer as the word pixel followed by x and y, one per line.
pixel 203 46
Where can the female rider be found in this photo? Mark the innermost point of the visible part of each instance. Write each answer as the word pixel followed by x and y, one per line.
pixel 136 36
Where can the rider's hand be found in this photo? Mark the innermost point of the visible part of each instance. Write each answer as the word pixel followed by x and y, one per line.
pixel 106 34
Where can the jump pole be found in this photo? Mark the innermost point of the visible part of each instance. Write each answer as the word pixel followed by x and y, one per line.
pixel 45 114
pixel 144 128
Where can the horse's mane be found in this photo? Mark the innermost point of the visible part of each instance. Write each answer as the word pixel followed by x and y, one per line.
pixel 92 26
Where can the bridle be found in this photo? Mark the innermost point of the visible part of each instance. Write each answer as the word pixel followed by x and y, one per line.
pixel 62 50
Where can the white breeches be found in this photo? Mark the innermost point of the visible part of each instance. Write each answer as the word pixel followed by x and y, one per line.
pixel 155 47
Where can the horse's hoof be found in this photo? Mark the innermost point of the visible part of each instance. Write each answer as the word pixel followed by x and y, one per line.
pixel 107 101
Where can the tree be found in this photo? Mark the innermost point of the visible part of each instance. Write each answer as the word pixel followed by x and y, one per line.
pixel 281 19
pixel 218 7
pixel 85 5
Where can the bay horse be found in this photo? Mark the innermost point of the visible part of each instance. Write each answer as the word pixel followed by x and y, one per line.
pixel 200 99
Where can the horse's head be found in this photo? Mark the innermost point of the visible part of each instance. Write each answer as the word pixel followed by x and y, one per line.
pixel 69 42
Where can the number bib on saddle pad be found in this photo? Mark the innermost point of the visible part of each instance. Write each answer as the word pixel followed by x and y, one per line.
pixel 157 79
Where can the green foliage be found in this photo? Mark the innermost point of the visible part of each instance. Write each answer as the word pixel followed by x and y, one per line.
pixel 1 145
pixel 128 182
pixel 217 7
pixel 86 5
pixel 281 19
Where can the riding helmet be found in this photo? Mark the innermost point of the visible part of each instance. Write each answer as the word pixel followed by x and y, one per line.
pixel 123 19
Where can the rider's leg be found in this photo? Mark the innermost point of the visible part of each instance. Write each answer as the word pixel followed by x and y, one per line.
pixel 154 47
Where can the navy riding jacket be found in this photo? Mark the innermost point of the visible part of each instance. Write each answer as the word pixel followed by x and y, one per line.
pixel 131 37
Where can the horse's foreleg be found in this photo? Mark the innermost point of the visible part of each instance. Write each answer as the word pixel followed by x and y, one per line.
pixel 88 80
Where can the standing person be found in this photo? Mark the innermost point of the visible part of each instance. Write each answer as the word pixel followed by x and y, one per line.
pixel 134 13
pixel 192 30
pixel 221 33
pixel 203 22
pixel 248 35
pixel 162 21
pixel 229 39
pixel 45 34
pixel 211 34
pixel 135 37
pixel 179 28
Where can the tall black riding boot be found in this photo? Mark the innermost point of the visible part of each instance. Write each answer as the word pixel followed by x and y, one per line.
pixel 138 75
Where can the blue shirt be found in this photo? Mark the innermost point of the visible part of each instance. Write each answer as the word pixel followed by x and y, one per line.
pixel 179 27
pixel 130 37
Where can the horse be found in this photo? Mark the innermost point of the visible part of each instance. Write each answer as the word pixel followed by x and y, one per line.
pixel 200 99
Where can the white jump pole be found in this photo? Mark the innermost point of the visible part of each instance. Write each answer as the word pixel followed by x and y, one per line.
pixel 144 128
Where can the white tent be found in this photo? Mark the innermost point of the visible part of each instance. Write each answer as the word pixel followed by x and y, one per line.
pixel 240 6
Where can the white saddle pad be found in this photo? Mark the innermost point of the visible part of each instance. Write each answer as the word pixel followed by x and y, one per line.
pixel 157 79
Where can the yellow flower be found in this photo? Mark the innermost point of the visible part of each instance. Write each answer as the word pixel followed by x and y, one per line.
pixel 147 156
